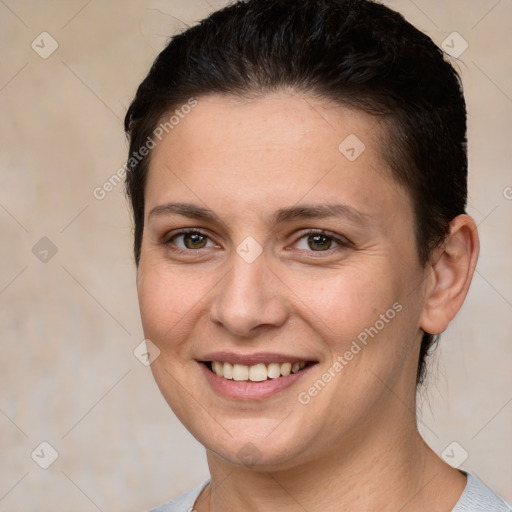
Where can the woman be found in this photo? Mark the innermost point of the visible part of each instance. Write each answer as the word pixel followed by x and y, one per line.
pixel 298 180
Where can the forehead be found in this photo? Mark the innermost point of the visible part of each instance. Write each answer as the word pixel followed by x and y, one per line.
pixel 277 122
pixel 271 151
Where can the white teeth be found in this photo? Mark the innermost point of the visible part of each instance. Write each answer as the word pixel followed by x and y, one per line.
pixel 240 372
pixel 227 371
pixel 274 370
pixel 218 368
pixel 286 369
pixel 257 372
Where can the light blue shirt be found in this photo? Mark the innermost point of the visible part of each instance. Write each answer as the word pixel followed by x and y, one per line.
pixel 476 497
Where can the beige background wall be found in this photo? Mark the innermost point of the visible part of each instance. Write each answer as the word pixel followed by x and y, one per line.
pixel 69 325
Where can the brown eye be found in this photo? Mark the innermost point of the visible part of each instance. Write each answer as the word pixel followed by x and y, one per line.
pixel 194 240
pixel 190 240
pixel 319 242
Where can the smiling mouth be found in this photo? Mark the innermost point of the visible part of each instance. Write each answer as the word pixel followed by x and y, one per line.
pixel 256 373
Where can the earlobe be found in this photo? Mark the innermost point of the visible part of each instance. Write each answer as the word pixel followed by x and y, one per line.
pixel 452 270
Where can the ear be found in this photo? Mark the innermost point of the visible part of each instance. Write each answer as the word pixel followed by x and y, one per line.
pixel 451 271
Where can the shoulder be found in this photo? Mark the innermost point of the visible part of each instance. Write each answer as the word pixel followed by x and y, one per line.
pixel 477 496
pixel 184 503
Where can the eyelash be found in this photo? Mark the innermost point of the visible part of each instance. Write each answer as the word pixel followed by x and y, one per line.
pixel 342 243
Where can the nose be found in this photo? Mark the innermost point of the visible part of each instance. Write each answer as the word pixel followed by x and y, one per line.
pixel 249 299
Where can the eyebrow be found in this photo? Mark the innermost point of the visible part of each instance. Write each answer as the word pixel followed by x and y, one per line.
pixel 282 215
pixel 318 212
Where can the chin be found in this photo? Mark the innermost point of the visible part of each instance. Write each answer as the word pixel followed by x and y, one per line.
pixel 255 448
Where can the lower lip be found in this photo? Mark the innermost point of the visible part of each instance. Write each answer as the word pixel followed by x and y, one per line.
pixel 248 390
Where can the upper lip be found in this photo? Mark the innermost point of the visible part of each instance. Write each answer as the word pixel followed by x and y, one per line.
pixel 252 359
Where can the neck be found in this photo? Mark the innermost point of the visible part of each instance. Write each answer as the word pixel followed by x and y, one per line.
pixel 393 471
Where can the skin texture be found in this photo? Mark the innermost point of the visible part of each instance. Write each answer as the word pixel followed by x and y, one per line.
pixel 355 445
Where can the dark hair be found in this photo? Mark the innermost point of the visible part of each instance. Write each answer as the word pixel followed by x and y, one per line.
pixel 357 53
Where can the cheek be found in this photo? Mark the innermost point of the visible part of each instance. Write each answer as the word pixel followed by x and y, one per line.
pixel 344 302
pixel 167 299
pixel 366 323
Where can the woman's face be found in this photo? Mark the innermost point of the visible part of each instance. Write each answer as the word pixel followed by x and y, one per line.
pixel 302 251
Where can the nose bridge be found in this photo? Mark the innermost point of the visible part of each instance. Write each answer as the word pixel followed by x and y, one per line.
pixel 248 296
